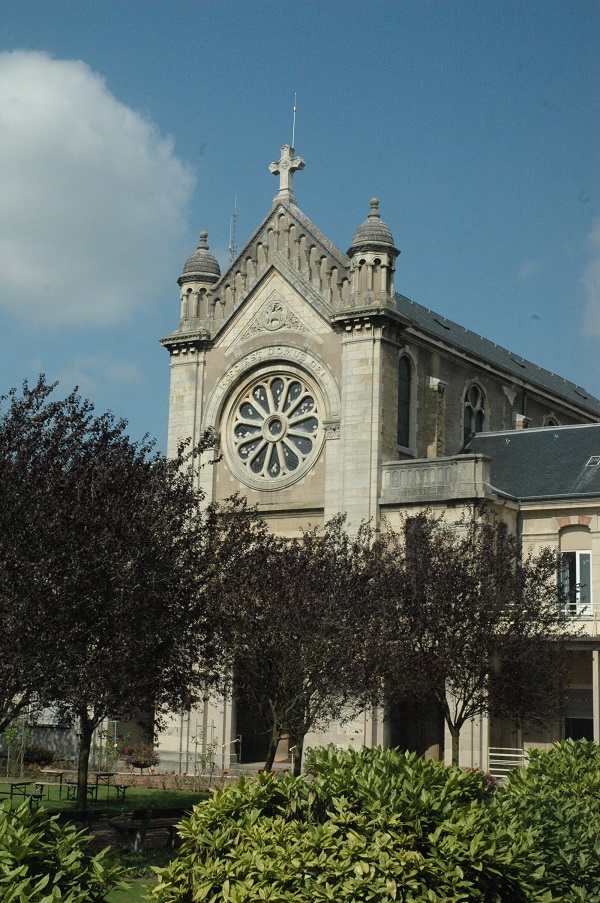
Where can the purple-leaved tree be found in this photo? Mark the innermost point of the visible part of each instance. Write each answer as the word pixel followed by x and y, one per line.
pixel 471 624
pixel 101 567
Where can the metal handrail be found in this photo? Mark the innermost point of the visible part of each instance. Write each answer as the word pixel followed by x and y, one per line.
pixel 504 759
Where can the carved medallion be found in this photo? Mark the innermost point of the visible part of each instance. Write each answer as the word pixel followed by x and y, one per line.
pixel 274 315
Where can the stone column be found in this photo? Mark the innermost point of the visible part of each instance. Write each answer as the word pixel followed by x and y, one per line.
pixel 485 742
pixel 596 694
pixel 361 421
pixel 435 417
pixel 332 469
pixel 188 363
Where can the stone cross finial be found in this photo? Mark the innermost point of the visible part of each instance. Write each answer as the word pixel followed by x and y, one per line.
pixel 285 168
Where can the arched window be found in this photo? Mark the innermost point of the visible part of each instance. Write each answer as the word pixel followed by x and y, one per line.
pixel 377 275
pixel 549 420
pixel 404 390
pixel 362 275
pixel 474 420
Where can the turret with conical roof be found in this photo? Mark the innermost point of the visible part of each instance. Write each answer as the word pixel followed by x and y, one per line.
pixel 200 272
pixel 373 255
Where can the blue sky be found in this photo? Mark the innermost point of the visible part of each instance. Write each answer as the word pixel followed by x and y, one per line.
pixel 128 127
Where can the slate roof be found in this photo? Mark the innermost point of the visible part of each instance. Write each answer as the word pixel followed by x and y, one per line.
pixel 456 336
pixel 543 463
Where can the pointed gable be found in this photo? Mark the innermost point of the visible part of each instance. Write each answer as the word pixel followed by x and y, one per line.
pixel 288 242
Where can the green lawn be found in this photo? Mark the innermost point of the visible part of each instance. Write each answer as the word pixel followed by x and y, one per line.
pixel 135 798
pixel 139 874
pixel 137 892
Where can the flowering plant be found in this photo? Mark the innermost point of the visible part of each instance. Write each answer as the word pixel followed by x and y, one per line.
pixel 38 755
pixel 140 756
pixel 490 783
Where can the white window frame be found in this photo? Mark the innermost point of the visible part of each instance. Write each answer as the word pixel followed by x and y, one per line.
pixel 580 602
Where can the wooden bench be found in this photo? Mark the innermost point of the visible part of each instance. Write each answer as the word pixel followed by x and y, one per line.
pixel 92 790
pixel 121 791
pixel 36 797
pixel 132 829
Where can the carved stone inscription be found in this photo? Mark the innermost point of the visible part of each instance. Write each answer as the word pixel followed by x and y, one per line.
pixel 276 352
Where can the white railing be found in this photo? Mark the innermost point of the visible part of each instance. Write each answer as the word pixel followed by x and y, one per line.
pixel 582 612
pixel 502 760
pixel 585 617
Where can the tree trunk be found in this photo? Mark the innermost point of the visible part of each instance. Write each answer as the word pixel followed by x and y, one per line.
pixel 85 745
pixel 455 733
pixel 273 744
pixel 297 749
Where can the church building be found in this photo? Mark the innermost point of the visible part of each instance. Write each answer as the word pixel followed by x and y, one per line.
pixel 332 392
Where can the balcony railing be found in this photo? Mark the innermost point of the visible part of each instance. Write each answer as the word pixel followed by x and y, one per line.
pixel 584 612
pixel 586 616
pixel 434 479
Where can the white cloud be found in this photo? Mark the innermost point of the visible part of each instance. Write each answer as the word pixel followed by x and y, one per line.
pixel 92 197
pixel 528 269
pixel 591 283
pixel 93 372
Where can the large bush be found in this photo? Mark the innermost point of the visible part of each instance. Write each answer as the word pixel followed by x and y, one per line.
pixel 43 862
pixel 556 799
pixel 369 825
pixel 386 826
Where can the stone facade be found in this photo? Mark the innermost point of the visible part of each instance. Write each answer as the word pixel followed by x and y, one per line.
pixel 331 392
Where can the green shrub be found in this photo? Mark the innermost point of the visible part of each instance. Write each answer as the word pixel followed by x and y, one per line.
pixel 43 862
pixel 557 799
pixel 570 763
pixel 386 826
pixel 369 825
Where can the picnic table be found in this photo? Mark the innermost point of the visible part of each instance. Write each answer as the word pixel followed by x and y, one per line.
pixel 48 778
pixel 97 779
pixel 21 790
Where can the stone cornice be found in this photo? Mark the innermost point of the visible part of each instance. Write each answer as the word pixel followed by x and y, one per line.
pixel 353 314
pixel 198 340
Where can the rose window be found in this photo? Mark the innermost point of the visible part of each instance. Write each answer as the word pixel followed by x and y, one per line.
pixel 276 427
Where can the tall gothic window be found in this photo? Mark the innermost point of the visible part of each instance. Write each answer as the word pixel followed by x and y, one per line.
pixel 404 387
pixel 474 412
